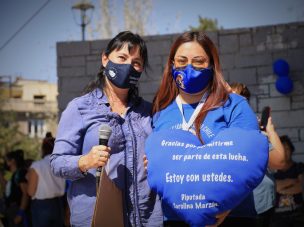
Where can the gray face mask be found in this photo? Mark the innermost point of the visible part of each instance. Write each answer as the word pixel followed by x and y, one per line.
pixel 121 75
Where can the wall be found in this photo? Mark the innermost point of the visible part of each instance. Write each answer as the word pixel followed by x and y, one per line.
pixel 246 55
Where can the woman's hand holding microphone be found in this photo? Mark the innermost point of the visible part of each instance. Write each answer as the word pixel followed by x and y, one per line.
pixel 97 157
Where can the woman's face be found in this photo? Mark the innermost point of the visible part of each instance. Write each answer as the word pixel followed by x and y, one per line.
pixel 191 53
pixel 123 56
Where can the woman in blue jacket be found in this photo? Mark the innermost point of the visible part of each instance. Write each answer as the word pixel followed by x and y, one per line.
pixel 194 96
pixel 113 100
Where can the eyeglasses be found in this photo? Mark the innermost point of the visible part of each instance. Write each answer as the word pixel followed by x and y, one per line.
pixel 196 62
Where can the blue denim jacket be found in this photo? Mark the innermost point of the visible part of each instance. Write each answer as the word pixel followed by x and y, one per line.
pixel 78 133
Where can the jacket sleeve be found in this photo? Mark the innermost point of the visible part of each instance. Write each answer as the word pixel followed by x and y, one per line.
pixel 68 144
pixel 242 116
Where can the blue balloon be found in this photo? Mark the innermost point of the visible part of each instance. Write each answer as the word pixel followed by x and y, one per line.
pixel 281 67
pixel 197 181
pixel 284 85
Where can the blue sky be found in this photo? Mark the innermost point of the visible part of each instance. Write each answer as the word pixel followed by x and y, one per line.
pixel 32 53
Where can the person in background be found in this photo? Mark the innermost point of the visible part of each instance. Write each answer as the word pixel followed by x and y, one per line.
pixel 46 190
pixel 48 135
pixel 65 202
pixel 17 200
pixel 194 96
pixel 112 100
pixel 289 209
pixel 2 199
pixel 27 163
pixel 264 194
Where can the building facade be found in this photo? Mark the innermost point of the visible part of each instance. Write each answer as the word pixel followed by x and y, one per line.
pixel 34 104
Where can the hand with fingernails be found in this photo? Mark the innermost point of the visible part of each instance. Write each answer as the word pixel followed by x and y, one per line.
pixel 97 157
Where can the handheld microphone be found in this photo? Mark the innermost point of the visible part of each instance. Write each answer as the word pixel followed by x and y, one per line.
pixel 105 132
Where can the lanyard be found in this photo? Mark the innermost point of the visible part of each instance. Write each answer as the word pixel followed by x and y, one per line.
pixel 187 125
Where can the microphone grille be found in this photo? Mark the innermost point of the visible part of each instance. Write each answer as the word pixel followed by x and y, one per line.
pixel 105 131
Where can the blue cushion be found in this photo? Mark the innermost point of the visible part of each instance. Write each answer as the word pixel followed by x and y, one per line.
pixel 196 182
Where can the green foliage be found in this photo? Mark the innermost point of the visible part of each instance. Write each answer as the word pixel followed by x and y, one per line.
pixel 11 138
pixel 206 24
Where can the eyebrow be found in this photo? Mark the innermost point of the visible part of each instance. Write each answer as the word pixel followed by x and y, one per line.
pixel 138 59
pixel 196 57
pixel 128 55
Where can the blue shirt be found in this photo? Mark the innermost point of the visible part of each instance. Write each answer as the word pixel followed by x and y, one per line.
pixel 78 133
pixel 235 112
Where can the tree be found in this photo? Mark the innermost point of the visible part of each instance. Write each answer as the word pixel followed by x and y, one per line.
pixel 103 26
pixel 11 138
pixel 133 16
pixel 206 24
pixel 136 14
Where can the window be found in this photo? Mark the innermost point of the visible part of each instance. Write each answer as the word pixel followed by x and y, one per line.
pixel 39 99
pixel 16 93
pixel 36 128
pixel 17 96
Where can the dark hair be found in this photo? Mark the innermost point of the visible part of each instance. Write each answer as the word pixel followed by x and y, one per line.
pixel 18 156
pixel 241 89
pixel 285 139
pixel 28 163
pixel 48 135
pixel 168 90
pixel 47 146
pixel 133 41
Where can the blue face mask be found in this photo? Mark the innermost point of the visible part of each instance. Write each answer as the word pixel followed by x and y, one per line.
pixel 122 75
pixel 191 80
